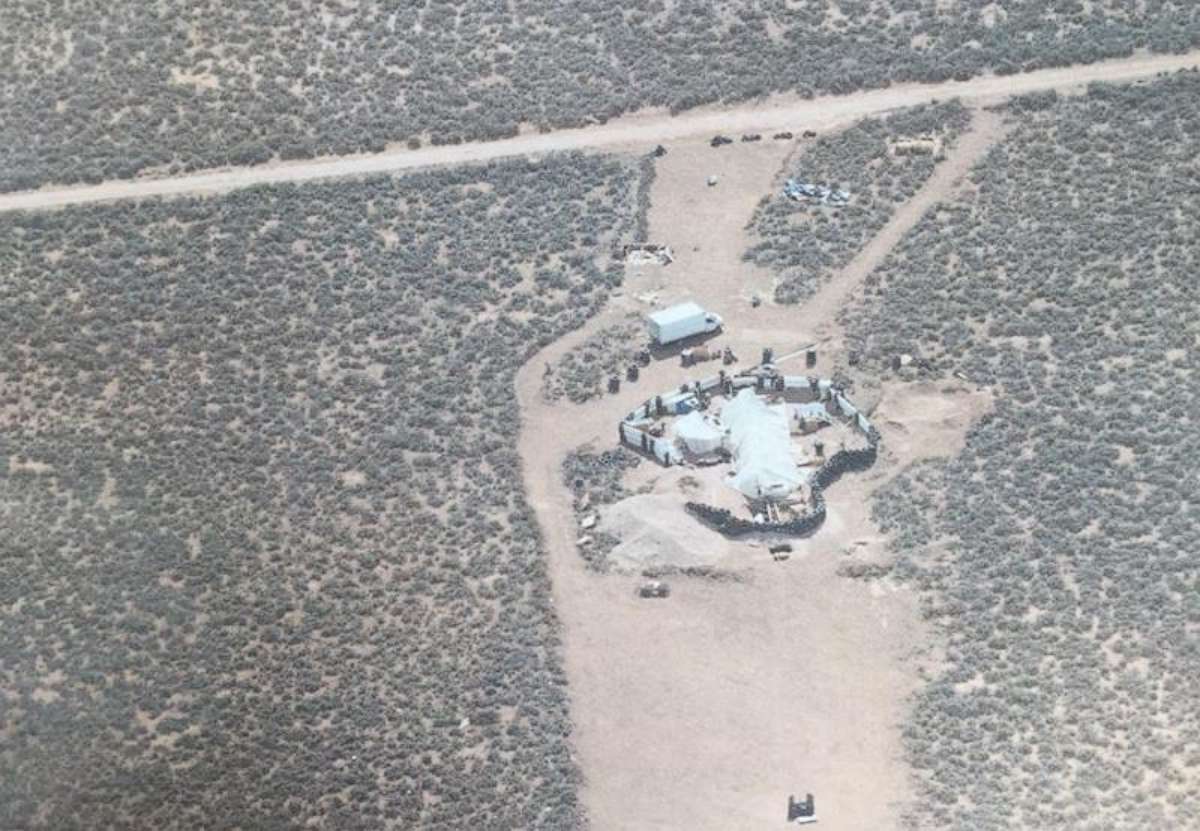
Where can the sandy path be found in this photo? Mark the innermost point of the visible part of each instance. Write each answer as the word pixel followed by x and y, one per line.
pixel 818 312
pixel 706 710
pixel 641 130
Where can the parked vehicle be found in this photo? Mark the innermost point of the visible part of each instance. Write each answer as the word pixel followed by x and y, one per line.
pixel 681 321
pixel 654 588
pixel 717 141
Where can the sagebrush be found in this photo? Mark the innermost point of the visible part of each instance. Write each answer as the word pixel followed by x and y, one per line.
pixel 265 560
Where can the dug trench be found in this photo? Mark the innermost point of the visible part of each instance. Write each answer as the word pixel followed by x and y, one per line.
pixel 707 709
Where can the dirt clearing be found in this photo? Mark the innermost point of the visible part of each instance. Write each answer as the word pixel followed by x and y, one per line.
pixel 707 709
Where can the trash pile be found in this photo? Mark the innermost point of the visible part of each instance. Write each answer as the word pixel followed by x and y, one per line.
pixel 595 480
pixel 811 192
pixel 648 254
pixel 597 476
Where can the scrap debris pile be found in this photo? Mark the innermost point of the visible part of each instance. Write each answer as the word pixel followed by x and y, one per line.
pixel 595 480
pixel 811 192
pixel 648 254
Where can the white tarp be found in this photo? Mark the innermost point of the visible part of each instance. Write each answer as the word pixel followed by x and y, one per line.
pixel 760 439
pixel 698 434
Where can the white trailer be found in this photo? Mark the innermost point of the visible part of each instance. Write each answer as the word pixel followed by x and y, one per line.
pixel 681 321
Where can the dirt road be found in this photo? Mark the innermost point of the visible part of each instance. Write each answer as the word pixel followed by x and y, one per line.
pixel 819 311
pixel 641 131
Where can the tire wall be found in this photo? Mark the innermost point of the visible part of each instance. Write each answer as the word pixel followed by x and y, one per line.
pixel 844 461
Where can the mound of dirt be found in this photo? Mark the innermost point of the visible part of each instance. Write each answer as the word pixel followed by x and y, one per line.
pixel 655 531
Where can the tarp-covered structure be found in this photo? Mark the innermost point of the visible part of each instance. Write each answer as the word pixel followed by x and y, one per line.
pixel 761 443
pixel 698 434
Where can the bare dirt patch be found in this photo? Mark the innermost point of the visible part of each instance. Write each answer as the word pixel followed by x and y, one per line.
pixel 926 420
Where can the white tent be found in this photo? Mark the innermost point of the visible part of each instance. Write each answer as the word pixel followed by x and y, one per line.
pixel 698 434
pixel 760 439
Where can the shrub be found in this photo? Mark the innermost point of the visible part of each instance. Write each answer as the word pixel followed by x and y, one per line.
pixel 1056 552
pixel 265 559
pixel 89 85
